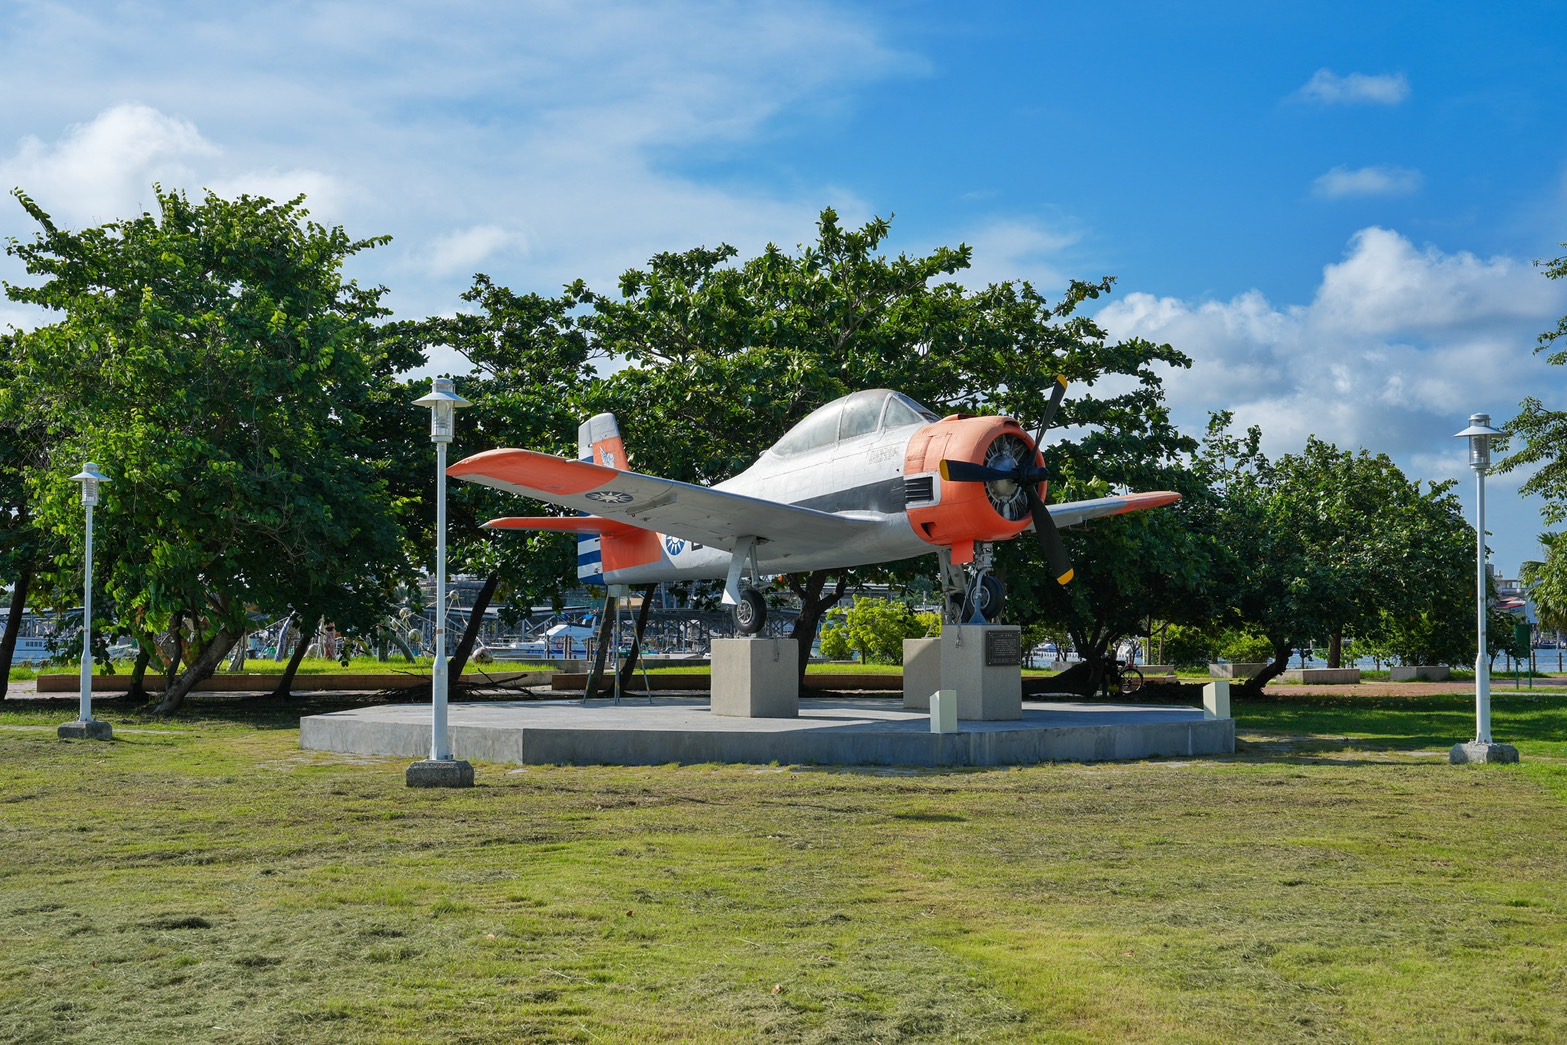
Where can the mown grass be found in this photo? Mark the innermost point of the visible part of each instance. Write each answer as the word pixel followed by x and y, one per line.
pixel 206 880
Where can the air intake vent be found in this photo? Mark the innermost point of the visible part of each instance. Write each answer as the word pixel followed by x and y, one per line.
pixel 919 488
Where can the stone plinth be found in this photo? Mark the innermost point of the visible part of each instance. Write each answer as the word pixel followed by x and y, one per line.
pixel 1420 673
pixel 97 729
pixel 440 773
pixel 756 678
pixel 1235 671
pixel 1323 676
pixel 983 663
pixel 921 672
pixel 1476 751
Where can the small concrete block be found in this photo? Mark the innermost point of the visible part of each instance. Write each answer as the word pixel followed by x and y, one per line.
pixel 1216 699
pixel 436 773
pixel 943 711
pixel 97 729
pixel 921 672
pixel 756 678
pixel 1478 751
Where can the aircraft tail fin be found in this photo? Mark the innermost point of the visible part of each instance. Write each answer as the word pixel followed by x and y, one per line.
pixel 598 442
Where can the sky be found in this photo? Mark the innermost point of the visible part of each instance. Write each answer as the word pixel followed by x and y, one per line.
pixel 1335 208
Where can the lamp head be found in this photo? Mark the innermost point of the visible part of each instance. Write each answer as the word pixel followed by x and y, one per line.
pixel 443 402
pixel 1479 433
pixel 90 477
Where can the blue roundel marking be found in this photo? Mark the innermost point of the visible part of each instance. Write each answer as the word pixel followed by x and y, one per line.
pixel 675 545
pixel 610 497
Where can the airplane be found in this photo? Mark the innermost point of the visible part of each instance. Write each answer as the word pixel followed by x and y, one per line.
pixel 871 477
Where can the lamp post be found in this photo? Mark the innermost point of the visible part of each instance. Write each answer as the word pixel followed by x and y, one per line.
pixel 440 769
pixel 85 727
pixel 1482 748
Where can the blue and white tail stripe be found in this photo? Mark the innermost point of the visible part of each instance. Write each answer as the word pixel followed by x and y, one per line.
pixel 598 442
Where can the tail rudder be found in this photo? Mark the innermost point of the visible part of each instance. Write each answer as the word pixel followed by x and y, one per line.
pixel 598 442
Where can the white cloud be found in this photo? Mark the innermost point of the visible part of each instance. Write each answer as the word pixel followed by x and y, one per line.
pixel 462 252
pixel 104 169
pixel 1341 182
pixel 1329 88
pixel 1003 248
pixel 1398 346
pixel 569 127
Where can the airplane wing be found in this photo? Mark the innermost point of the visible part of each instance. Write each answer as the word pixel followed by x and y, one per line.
pixel 698 513
pixel 1071 513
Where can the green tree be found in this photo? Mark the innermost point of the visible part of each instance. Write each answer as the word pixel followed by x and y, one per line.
pixel 214 359
pixel 533 363
pixel 1327 541
pixel 1547 582
pixel 875 629
pixel 1543 431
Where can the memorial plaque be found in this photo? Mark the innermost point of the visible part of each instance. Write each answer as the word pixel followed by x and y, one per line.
pixel 1003 649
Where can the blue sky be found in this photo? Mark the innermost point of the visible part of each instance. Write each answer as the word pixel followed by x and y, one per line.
pixel 1332 207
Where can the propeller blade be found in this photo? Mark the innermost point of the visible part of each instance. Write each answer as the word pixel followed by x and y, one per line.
pixel 1056 395
pixel 969 472
pixel 1049 537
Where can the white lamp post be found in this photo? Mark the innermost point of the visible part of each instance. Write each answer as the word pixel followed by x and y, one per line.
pixel 85 727
pixel 1482 748
pixel 440 769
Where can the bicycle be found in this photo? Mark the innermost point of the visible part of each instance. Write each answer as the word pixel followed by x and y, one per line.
pixel 1121 677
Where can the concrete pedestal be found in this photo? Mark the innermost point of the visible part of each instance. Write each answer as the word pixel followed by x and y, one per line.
pixel 434 773
pixel 1476 751
pixel 756 678
pixel 921 672
pixel 984 664
pixel 94 730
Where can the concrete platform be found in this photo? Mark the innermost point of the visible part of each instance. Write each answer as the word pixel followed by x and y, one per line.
pixel 827 732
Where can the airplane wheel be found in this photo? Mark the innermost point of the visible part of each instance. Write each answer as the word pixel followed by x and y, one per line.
pixel 750 612
pixel 989 601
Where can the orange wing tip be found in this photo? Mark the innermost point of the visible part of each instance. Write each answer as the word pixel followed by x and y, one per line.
pixel 1066 578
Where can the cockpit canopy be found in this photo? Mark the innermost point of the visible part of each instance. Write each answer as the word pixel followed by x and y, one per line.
pixel 856 414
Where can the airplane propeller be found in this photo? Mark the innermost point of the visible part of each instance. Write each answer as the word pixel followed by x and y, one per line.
pixel 1027 476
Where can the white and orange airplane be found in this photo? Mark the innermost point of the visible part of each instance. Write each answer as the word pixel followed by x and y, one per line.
pixel 872 477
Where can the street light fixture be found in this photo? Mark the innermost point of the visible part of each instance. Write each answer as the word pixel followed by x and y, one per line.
pixel 1482 748
pixel 440 769
pixel 85 727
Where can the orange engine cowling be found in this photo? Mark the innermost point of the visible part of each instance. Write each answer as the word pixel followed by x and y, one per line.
pixel 964 513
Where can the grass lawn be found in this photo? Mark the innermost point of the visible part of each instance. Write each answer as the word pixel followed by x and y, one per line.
pixel 206 880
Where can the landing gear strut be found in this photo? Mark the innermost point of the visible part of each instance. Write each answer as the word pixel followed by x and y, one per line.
pixel 973 595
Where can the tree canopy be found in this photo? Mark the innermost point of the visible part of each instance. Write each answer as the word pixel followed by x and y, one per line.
pixel 215 361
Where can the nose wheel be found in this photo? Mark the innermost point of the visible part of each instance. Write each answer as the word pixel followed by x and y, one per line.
pixel 984 600
pixel 750 612
pixel 974 595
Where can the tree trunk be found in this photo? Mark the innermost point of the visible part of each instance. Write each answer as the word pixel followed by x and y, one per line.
pixel 13 626
pixel 814 604
pixel 206 663
pixel 1336 648
pixel 137 693
pixel 1253 687
pixel 286 683
pixel 643 612
pixel 470 635
pixel 606 631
